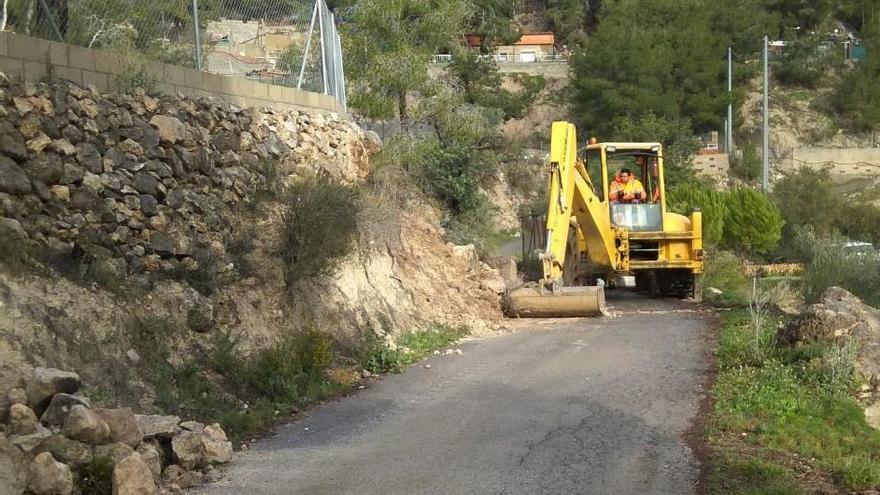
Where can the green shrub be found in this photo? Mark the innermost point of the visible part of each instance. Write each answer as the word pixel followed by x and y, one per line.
pixel 831 263
pixel 747 167
pixel 211 385
pixel 96 477
pixel 753 223
pixel 857 95
pixel 686 197
pixel 804 63
pixel 135 77
pixel 805 197
pixel 377 356
pixel 319 227
pixel 724 271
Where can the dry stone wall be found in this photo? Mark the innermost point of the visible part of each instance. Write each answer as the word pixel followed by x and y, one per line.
pixel 147 184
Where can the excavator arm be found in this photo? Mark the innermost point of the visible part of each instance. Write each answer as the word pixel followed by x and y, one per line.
pixel 572 196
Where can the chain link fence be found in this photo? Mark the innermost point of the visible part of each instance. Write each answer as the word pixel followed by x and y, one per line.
pixel 291 43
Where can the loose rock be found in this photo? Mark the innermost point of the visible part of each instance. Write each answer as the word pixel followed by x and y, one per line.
pixel 123 425
pixel 13 468
pixel 188 449
pixel 66 450
pixel 132 476
pixel 157 426
pixel 46 382
pixel 84 425
pixel 59 407
pixel 22 420
pixel 49 477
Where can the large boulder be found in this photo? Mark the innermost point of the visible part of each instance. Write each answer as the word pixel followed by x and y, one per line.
pixel 22 420
pixel 86 426
pixel 29 443
pixel 66 450
pixel 123 425
pixel 188 449
pixel 170 129
pixel 837 317
pixel 151 453
pixel 59 407
pixel 132 476
pixel 114 452
pixel 46 476
pixel 12 178
pixel 13 468
pixel 157 426
pixel 217 448
pixel 46 382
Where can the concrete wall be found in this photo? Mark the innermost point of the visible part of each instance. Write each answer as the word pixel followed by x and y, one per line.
pixel 555 70
pixel 33 59
pixel 712 164
pixel 843 161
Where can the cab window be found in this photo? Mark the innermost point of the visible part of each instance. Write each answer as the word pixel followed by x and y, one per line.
pixel 594 168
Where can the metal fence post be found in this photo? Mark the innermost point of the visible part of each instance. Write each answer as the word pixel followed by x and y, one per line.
pixel 323 48
pixel 302 69
pixel 197 35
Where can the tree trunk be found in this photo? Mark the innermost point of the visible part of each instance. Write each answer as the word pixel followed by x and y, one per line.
pixel 4 15
pixel 29 16
pixel 401 106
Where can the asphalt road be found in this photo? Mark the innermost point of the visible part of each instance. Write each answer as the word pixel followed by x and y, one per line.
pixel 576 406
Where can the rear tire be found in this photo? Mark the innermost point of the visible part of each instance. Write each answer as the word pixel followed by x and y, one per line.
pixel 676 283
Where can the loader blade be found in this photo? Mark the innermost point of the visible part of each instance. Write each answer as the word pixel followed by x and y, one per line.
pixel 564 302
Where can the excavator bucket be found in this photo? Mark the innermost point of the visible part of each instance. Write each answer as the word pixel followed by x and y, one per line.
pixel 531 302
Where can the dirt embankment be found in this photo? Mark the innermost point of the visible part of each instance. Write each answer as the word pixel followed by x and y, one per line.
pixel 148 201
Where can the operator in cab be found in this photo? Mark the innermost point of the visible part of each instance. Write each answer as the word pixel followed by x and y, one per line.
pixel 626 188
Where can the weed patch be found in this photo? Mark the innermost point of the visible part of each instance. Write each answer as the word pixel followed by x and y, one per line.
pixel 724 271
pixel 377 357
pixel 96 477
pixel 243 392
pixel 792 400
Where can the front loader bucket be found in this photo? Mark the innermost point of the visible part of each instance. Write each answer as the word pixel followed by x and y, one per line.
pixel 564 302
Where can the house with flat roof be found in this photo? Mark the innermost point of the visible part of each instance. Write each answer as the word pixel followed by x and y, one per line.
pixel 530 47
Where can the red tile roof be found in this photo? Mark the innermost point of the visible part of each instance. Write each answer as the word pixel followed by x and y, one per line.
pixel 525 39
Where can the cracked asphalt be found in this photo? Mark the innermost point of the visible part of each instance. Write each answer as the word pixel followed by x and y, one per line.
pixel 562 406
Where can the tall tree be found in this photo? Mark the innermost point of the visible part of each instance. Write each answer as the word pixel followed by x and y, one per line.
pixel 659 57
pixel 569 19
pixel 389 44
pixel 492 21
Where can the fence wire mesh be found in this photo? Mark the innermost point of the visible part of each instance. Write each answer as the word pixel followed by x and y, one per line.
pixel 285 42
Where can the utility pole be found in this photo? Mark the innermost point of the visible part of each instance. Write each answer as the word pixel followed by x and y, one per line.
pixel 197 35
pixel 728 130
pixel 765 182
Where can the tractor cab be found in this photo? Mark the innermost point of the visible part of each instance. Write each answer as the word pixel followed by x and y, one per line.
pixel 628 178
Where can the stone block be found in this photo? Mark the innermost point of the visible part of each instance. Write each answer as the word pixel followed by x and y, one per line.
pixel 58 54
pixel 27 48
pixel 68 74
pixel 213 83
pixel 99 79
pixel 176 75
pixel 81 58
pixel 109 62
pixel 12 67
pixel 156 69
pixel 35 71
pixel 193 79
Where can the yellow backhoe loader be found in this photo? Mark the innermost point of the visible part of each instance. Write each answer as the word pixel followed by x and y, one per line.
pixel 598 236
